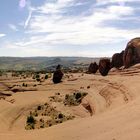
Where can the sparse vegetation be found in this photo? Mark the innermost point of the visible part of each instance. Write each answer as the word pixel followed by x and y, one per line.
pixel 38 80
pixel 46 76
pixel 33 65
pixel 24 85
pixel 30 123
pixel 55 99
pixel 39 107
pixel 30 120
pixel 37 76
pixel 45 116
pixel 74 99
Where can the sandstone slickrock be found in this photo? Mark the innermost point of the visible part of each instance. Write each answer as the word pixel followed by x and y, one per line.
pixel 93 67
pixel 132 53
pixel 58 74
pixel 117 60
pixel 104 66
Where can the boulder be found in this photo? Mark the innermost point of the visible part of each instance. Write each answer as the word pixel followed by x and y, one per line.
pixel 104 66
pixel 114 69
pixel 93 67
pixel 58 74
pixel 132 53
pixel 117 60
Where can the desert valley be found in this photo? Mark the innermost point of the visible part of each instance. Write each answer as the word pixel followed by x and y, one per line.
pixel 100 102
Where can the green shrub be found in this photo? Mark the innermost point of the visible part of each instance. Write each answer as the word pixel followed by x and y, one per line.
pixel 30 120
pixel 78 95
pixel 37 76
pixel 60 116
pixel 46 76
pixel 24 85
pixel 39 107
pixel 38 80
pixel 75 99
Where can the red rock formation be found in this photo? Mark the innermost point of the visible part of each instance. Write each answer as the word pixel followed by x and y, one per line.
pixel 132 53
pixel 104 66
pixel 58 74
pixel 117 60
pixel 93 67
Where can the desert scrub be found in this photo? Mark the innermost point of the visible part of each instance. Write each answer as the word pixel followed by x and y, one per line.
pixel 57 94
pixel 45 116
pixel 46 76
pixel 24 85
pixel 30 122
pixel 37 76
pixel 38 80
pixel 35 113
pixel 60 116
pixel 55 99
pixel 39 107
pixel 74 99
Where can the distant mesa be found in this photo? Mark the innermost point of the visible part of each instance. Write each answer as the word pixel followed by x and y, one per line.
pixel 93 67
pixel 104 66
pixel 57 60
pixel 58 75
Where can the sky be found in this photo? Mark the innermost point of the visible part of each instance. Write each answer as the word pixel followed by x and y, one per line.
pixel 87 28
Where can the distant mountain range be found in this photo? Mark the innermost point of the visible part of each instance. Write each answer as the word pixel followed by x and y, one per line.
pixel 43 63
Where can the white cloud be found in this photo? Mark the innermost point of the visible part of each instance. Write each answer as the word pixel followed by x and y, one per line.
pixel 30 10
pixel 96 53
pixel 49 26
pixel 78 30
pixel 28 19
pixel 121 2
pixel 57 7
pixel 120 10
pixel 12 27
pixel 24 51
pixel 2 35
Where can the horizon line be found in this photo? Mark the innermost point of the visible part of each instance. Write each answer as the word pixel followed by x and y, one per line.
pixel 58 56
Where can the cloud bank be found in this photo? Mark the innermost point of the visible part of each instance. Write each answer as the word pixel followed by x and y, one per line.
pixel 79 27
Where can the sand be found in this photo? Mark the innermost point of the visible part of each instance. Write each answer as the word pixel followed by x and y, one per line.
pixel 114 101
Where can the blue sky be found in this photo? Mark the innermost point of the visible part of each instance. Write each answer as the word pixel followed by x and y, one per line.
pixel 88 28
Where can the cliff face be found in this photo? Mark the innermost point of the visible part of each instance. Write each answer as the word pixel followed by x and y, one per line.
pixel 117 60
pixel 132 53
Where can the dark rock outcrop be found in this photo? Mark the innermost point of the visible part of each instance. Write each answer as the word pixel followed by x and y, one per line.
pixel 93 67
pixel 117 60
pixel 132 53
pixel 58 74
pixel 104 66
